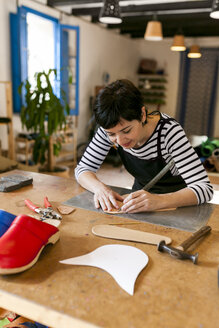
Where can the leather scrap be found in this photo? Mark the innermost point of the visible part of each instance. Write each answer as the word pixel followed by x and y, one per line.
pixel 63 209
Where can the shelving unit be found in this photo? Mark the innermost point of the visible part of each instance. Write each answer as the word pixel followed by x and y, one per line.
pixel 24 149
pixel 7 120
pixel 68 139
pixel 153 88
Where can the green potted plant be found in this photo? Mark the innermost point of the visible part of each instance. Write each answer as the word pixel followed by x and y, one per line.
pixel 44 114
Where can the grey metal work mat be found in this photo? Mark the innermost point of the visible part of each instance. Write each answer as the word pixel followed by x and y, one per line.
pixel 190 218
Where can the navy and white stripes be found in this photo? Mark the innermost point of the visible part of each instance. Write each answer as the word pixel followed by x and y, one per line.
pixel 174 145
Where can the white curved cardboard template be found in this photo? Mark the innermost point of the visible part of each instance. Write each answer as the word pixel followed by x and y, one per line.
pixel 123 263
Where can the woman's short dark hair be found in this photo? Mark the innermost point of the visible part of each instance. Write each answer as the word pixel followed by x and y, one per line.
pixel 119 100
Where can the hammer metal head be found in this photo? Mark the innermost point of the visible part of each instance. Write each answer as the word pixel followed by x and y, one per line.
pixel 176 253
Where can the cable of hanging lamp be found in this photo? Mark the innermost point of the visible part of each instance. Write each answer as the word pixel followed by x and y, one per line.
pixel 153 30
pixel 194 51
pixel 178 43
pixel 110 12
pixel 215 10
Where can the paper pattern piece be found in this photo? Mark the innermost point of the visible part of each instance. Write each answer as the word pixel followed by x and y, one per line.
pixel 123 263
pixel 115 210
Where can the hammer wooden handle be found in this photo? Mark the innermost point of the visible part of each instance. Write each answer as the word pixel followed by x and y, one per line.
pixel 196 236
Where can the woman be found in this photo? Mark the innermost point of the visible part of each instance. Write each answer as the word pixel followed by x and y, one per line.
pixel 146 143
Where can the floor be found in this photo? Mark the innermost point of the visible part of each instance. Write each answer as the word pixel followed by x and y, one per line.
pixel 113 176
pixel 119 177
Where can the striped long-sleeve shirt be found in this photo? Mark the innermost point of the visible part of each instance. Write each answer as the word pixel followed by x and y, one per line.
pixel 174 145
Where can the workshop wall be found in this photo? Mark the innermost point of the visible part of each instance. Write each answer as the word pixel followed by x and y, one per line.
pixel 101 51
pixel 170 62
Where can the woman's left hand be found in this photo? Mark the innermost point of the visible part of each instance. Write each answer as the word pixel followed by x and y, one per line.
pixel 141 201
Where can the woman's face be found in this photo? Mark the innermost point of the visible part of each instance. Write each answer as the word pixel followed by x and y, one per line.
pixel 126 133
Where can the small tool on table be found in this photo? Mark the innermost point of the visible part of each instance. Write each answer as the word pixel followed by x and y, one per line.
pixel 179 252
pixel 46 213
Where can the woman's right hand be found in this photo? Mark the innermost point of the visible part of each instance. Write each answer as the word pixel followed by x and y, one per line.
pixel 106 198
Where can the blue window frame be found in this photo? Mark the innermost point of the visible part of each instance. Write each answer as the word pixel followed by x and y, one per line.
pixel 69 62
pixel 19 47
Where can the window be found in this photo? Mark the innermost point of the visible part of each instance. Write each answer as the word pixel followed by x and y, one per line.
pixel 40 45
pixel 70 65
pixel 39 42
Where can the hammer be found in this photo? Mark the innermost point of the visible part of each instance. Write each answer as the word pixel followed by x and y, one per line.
pixel 179 251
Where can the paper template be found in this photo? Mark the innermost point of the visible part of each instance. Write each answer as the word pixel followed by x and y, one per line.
pixel 123 263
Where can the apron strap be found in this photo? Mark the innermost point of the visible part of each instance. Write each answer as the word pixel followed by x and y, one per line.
pixel 162 122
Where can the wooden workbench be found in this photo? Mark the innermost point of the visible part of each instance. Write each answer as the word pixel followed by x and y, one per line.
pixel 168 292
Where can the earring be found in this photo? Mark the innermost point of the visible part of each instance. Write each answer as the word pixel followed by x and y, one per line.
pixel 146 120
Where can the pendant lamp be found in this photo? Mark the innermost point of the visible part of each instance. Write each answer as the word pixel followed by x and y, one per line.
pixel 110 12
pixel 154 30
pixel 194 51
pixel 178 43
pixel 215 9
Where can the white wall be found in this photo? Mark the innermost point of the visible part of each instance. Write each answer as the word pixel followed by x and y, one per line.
pixel 101 51
pixel 169 61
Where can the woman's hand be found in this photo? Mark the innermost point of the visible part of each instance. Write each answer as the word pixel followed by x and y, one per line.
pixel 106 198
pixel 141 201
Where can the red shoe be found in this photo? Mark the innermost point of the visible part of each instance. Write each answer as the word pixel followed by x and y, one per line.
pixel 22 243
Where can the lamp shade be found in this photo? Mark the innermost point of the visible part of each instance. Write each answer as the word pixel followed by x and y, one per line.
pixel 110 12
pixel 153 31
pixel 178 43
pixel 194 51
pixel 215 9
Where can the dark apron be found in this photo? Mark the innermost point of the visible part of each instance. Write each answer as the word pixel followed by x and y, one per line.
pixel 145 170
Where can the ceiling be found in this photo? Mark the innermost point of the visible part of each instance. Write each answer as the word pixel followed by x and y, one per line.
pixel 192 17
